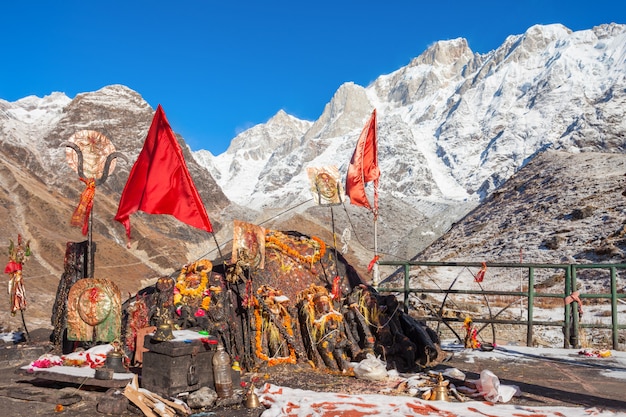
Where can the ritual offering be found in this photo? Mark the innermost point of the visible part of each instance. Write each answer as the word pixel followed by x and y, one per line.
pixel 325 186
pixel 17 256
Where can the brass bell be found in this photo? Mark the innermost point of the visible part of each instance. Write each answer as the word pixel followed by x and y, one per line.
pixel 252 400
pixel 115 361
pixel 163 333
pixel 440 392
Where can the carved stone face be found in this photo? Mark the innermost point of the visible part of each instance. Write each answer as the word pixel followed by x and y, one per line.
pixel 322 303
pixel 192 280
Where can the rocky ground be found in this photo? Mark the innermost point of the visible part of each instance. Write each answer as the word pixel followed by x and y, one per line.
pixel 543 381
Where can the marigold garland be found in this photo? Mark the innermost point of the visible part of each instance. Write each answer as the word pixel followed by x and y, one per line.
pixel 178 298
pixel 275 242
pixel 206 302
pixel 192 292
pixel 259 348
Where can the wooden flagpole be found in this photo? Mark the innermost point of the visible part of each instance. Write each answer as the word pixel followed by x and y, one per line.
pixel 376 274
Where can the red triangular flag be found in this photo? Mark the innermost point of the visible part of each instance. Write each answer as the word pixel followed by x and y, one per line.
pixel 159 182
pixel 363 167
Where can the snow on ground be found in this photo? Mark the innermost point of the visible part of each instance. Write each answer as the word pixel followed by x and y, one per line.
pixel 301 403
pixel 615 359
pixel 282 401
pixel 12 337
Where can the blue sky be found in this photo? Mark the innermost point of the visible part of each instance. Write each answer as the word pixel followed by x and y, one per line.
pixel 220 67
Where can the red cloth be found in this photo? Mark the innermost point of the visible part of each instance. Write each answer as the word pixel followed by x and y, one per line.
pixel 159 182
pixel 335 294
pixel 363 167
pixel 12 267
pixel 370 266
pixel 481 274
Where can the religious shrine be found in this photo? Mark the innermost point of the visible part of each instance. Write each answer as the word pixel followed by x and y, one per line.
pixel 278 298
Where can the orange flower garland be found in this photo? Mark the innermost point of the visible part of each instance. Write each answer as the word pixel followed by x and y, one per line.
pixel 183 294
pixel 259 348
pixel 193 269
pixel 274 242
pixel 192 292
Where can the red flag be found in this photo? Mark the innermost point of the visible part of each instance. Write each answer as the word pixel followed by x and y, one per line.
pixel 159 182
pixel 363 167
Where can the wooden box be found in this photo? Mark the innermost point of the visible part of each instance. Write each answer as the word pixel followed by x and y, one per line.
pixel 170 368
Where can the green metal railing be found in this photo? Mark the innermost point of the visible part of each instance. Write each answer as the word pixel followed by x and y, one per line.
pixel 571 323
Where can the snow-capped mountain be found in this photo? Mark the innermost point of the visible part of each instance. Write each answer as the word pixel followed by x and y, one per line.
pixel 453 126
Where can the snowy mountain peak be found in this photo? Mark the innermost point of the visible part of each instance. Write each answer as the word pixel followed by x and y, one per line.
pixel 259 141
pixel 112 95
pixel 348 108
pixel 283 118
pixel 55 99
pixel 33 109
pixel 539 36
pixel 30 117
pixel 448 52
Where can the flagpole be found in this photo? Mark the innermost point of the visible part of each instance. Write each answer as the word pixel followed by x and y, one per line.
pixel 376 276
pixel 219 251
pixel 332 219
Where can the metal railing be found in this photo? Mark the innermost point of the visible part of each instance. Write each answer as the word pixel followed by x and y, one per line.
pixel 414 275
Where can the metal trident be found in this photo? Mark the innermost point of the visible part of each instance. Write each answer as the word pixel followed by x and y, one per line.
pixel 99 181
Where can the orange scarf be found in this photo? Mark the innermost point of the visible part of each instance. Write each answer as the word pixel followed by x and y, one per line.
pixel 81 214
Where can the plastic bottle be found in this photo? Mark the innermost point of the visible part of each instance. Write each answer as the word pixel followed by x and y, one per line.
pixel 222 376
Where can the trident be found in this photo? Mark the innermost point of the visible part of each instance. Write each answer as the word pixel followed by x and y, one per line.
pixel 99 181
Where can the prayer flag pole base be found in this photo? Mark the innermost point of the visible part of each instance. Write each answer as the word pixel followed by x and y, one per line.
pixel 25 328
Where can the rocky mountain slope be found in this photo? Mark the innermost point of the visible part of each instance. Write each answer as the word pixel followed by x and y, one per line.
pixel 454 127
pixel 560 208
